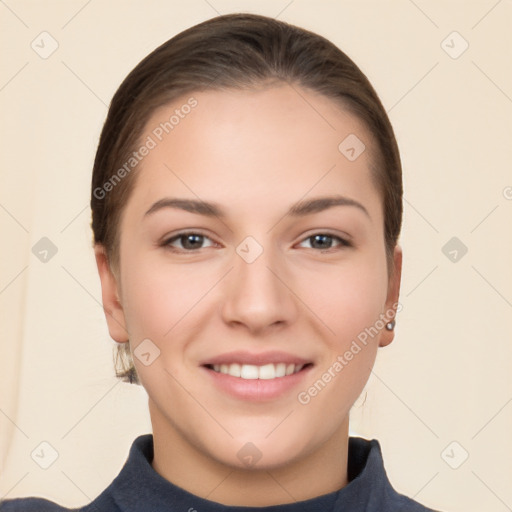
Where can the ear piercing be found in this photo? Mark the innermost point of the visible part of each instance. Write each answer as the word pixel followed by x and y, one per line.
pixel 390 325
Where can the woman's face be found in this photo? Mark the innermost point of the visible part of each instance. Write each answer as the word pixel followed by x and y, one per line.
pixel 273 279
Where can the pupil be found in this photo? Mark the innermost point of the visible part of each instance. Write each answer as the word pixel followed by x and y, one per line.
pixel 192 241
pixel 321 238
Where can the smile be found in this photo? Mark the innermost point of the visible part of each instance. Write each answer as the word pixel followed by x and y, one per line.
pixel 251 372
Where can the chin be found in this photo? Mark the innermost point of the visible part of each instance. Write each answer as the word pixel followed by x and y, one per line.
pixel 260 453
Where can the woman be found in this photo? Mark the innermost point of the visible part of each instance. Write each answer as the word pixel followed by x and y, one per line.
pixel 247 203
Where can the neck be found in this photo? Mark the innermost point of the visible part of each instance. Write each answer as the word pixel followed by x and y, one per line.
pixel 320 472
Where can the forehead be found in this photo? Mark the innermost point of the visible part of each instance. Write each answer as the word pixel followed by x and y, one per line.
pixel 236 144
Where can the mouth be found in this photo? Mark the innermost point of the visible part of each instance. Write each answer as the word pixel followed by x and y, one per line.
pixel 267 371
pixel 257 377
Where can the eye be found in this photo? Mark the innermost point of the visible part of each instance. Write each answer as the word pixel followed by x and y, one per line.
pixel 325 241
pixel 190 241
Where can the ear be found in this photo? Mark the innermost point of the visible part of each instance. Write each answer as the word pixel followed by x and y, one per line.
pixel 392 298
pixel 110 297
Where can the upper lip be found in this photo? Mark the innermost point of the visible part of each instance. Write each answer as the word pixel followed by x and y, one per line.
pixel 257 359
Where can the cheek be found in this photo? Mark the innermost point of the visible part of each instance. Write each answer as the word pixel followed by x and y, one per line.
pixel 157 296
pixel 148 305
pixel 155 307
pixel 348 299
pixel 162 303
pixel 349 303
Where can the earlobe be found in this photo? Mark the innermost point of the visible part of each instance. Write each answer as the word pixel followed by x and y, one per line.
pixel 388 334
pixel 112 306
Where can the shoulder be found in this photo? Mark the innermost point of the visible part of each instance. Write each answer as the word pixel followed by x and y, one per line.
pixel 402 503
pixel 32 504
pixel 369 481
pixel 141 448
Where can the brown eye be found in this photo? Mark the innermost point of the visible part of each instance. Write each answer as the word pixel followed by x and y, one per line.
pixel 325 241
pixel 188 241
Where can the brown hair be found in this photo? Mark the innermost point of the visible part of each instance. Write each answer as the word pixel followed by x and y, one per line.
pixel 232 51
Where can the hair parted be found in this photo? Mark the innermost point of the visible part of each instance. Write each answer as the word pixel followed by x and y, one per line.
pixel 233 51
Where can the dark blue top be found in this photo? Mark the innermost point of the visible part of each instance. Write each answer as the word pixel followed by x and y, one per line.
pixel 139 488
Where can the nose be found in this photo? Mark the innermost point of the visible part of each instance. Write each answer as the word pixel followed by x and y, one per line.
pixel 259 294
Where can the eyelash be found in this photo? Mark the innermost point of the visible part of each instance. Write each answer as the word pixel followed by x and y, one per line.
pixel 342 241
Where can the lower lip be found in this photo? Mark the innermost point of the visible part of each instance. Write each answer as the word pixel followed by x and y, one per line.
pixel 257 390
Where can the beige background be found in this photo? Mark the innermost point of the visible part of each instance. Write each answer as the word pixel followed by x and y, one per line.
pixel 447 375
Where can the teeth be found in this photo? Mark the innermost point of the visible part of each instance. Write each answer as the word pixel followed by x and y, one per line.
pixel 248 371
pixel 251 372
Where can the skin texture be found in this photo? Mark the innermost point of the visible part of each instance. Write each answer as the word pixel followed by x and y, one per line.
pixel 255 153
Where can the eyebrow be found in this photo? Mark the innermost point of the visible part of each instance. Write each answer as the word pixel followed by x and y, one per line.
pixel 300 209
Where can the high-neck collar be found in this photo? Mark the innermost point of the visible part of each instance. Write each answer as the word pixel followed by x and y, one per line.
pixel 139 488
